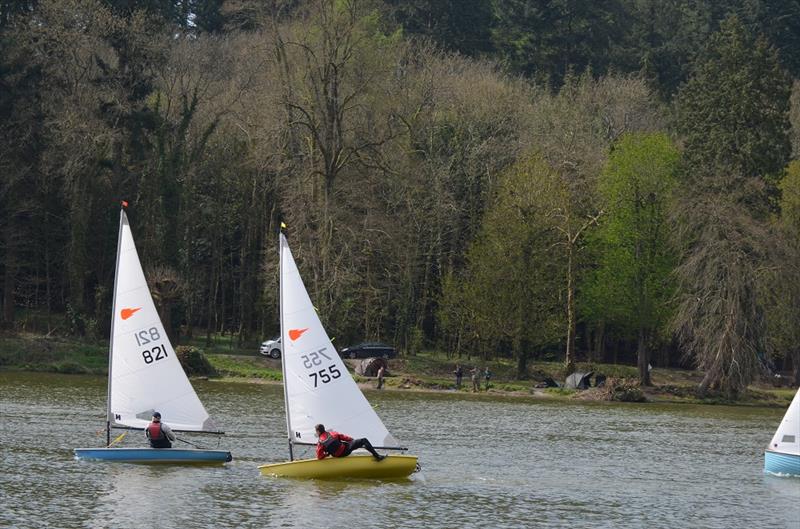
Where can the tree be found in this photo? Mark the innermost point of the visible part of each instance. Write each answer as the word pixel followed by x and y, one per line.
pixel 547 40
pixel 512 291
pixel 732 113
pixel 465 125
pixel 574 131
pixel 779 22
pixel 21 148
pixel 719 319
pixel 794 118
pixel 631 286
pixel 783 318
pixel 663 40
pixel 455 25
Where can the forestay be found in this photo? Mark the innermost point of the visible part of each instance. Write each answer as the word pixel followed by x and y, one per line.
pixel 787 438
pixel 318 387
pixel 145 375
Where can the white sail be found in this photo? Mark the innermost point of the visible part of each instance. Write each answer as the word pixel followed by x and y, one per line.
pixel 318 387
pixel 787 437
pixel 145 375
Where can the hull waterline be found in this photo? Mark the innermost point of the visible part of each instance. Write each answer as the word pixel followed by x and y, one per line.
pixel 155 455
pixel 354 466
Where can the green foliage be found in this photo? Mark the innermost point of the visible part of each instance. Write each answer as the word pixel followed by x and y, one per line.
pixel 243 367
pixel 733 112
pixel 734 116
pixel 510 290
pixel 663 40
pixel 194 362
pixel 782 283
pixel 388 157
pixel 455 25
pixel 548 39
pixel 790 200
pixel 631 287
pixel 560 391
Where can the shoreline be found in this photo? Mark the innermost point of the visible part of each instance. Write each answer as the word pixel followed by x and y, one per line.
pixel 426 372
pixel 577 396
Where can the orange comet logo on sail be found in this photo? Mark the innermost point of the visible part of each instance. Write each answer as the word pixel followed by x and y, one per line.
pixel 127 313
pixel 294 334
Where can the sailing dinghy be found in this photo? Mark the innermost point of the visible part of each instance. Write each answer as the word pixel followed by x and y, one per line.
pixel 144 374
pixel 317 388
pixel 782 456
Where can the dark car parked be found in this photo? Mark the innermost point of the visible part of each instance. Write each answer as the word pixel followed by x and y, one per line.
pixel 369 350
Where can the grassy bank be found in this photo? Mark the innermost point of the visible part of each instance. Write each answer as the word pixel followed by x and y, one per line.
pixel 427 371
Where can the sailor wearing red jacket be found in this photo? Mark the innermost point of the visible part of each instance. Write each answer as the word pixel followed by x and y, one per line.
pixel 337 444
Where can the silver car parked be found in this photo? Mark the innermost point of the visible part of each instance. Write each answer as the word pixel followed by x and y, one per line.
pixel 271 348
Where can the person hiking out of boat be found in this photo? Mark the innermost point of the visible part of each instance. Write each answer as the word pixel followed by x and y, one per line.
pixel 337 444
pixel 158 433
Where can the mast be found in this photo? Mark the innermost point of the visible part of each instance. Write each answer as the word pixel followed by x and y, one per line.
pixel 122 220
pixel 284 343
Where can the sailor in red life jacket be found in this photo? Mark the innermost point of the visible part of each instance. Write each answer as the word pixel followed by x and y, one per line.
pixel 158 433
pixel 337 444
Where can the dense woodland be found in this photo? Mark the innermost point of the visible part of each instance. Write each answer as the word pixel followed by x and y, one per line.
pixel 611 181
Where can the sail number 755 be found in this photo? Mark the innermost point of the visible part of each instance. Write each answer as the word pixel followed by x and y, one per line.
pixel 325 375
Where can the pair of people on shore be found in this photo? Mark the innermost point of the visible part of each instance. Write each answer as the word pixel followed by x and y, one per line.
pixel 475 376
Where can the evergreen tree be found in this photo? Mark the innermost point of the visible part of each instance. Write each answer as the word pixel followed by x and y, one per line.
pixel 455 25
pixel 733 112
pixel 734 117
pixel 547 39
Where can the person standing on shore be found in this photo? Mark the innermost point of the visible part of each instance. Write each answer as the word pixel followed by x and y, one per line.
pixel 380 377
pixel 487 375
pixel 474 375
pixel 459 373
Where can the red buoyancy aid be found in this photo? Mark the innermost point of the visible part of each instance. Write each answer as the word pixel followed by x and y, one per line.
pixel 155 432
pixel 332 444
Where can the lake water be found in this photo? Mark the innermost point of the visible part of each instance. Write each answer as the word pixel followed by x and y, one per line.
pixel 486 462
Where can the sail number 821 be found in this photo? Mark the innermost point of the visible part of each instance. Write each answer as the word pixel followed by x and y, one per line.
pixel 156 352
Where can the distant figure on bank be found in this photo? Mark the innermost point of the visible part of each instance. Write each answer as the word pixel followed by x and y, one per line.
pixel 486 376
pixel 337 444
pixel 475 384
pixel 380 377
pixel 459 373
pixel 158 433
